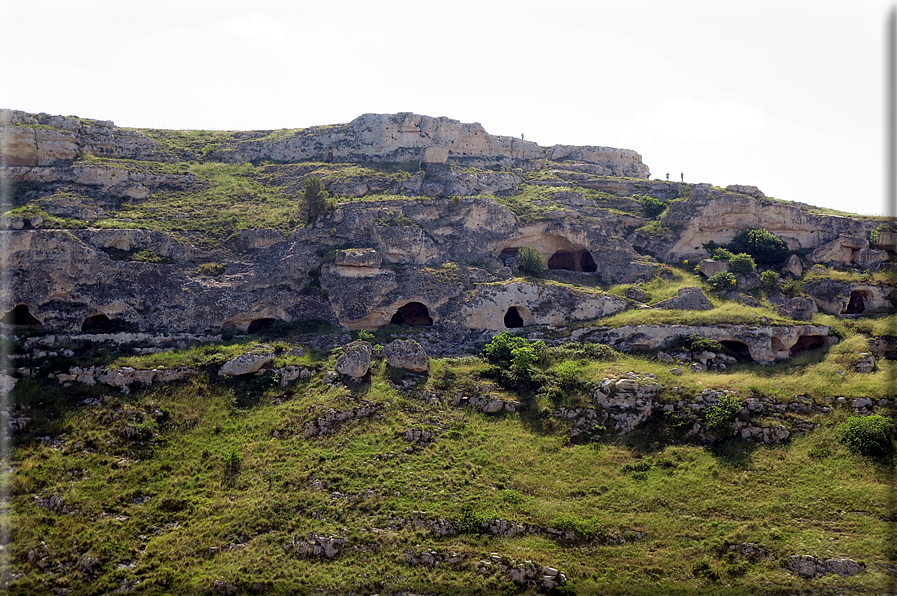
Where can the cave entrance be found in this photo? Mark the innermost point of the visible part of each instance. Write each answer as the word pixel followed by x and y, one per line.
pixel 508 253
pixel 259 324
pixel 805 343
pixel 101 323
pixel 414 314
pixel 737 349
pixel 513 318
pixel 572 260
pixel 21 318
pixel 857 303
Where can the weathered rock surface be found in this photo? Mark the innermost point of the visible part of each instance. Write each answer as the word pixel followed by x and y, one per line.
pixel 356 360
pixel 406 354
pixel 848 251
pixel 688 299
pixel 799 309
pixel 842 297
pixel 810 567
pixel 765 343
pixel 248 363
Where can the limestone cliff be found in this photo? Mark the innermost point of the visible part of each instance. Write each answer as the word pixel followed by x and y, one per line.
pixel 180 232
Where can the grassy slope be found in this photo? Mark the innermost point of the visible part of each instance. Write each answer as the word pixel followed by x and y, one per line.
pixel 231 470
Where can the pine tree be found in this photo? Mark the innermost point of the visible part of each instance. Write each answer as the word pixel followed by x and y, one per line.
pixel 315 197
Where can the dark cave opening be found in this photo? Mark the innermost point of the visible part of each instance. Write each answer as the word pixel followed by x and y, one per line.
pixel 857 303
pixel 513 318
pixel 259 324
pixel 20 316
pixel 414 314
pixel 737 349
pixel 805 343
pixel 572 260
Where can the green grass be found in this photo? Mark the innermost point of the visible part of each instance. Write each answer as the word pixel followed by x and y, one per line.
pixel 150 510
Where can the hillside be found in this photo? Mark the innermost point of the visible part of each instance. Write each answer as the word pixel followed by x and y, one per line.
pixel 212 391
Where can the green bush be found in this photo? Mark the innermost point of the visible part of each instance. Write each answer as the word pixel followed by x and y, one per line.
pixel 722 254
pixel 760 243
pixel 652 207
pixel 742 263
pixel 769 279
pixel 867 435
pixel 516 355
pixel 530 260
pixel 721 281
pixel 719 418
pixel 793 287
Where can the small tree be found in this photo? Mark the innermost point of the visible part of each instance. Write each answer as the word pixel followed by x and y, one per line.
pixel 315 197
pixel 770 280
pixel 719 418
pixel 652 207
pixel 760 243
pixel 530 260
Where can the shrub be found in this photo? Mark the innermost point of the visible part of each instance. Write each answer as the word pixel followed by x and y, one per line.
pixel 793 287
pixel 652 207
pixel 760 243
pixel 742 263
pixel 530 260
pixel 719 418
pixel 696 343
pixel 722 254
pixel 769 279
pixel 722 281
pixel 315 197
pixel 867 435
pixel 148 256
pixel 211 269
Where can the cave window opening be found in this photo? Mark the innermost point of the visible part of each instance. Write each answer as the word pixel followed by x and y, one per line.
pixel 513 318
pixel 587 263
pixel 737 349
pixel 508 253
pixel 414 314
pixel 806 343
pixel 20 316
pixel 857 303
pixel 259 324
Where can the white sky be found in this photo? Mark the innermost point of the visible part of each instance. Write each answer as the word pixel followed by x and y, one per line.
pixel 785 95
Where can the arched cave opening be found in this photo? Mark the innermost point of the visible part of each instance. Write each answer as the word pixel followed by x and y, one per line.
pixel 857 303
pixel 806 343
pixel 414 314
pixel 572 260
pixel 776 344
pixel 738 349
pixel 259 324
pixel 513 318
pixel 20 316
pixel 508 253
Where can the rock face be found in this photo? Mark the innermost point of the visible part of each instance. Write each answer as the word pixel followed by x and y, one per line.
pixel 417 262
pixel 688 299
pixel 799 309
pixel 411 137
pixel 764 343
pixel 809 567
pixel 849 251
pixel 356 360
pixel 406 354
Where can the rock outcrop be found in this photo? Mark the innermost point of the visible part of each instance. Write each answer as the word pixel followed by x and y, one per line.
pixel 406 354
pixel 356 360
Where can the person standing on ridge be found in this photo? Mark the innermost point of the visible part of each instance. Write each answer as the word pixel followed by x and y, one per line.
pixel 668 175
pixel 682 176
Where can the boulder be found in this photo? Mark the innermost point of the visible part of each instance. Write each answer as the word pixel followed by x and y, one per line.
pixel 710 267
pixel 248 363
pixel 356 360
pixel 793 267
pixel 848 251
pixel 799 309
pixel 688 299
pixel 635 293
pixel 407 354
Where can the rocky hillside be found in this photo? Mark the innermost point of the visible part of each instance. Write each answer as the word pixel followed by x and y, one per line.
pixel 213 392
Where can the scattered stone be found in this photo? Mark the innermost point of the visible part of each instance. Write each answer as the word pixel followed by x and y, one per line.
pixel 810 567
pixel 688 299
pixel 316 546
pixel 793 267
pixel 710 267
pixel 635 293
pixel 866 363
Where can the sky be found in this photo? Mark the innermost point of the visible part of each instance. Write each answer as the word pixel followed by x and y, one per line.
pixel 788 95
